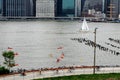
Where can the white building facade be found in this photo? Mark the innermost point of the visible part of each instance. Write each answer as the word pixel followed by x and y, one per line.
pixel 45 8
pixel 77 8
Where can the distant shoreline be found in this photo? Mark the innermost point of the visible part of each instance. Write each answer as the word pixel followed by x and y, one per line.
pixel 90 19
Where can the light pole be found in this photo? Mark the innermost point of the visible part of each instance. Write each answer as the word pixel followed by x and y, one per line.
pixel 94 51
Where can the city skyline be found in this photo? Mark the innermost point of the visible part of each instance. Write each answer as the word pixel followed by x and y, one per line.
pixel 59 8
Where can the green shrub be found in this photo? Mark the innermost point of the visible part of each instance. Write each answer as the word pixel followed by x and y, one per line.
pixel 3 70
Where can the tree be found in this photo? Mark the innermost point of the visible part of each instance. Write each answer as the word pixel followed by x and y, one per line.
pixel 9 59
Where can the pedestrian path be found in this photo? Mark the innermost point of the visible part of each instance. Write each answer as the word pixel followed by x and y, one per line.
pixel 66 72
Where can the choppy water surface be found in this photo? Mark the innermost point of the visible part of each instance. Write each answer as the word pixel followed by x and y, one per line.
pixel 37 43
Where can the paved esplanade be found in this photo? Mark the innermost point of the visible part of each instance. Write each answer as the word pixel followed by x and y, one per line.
pixel 35 75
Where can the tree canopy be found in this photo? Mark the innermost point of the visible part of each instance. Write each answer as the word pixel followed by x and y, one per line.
pixel 9 59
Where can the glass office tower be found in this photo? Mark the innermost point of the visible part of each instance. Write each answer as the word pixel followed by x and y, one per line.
pixel 68 8
pixel 17 8
pixel 106 8
pixel 1 7
pixel 65 8
pixel 119 7
pixel 58 8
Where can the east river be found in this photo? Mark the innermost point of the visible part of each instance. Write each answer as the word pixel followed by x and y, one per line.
pixel 36 43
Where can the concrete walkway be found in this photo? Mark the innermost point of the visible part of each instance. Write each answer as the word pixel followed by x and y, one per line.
pixel 45 74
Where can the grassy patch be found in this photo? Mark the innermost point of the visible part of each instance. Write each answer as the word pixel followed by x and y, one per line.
pixel 112 76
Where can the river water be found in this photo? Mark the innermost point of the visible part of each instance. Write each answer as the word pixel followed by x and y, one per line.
pixel 37 41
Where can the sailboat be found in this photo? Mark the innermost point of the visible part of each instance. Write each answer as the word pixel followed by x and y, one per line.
pixel 84 26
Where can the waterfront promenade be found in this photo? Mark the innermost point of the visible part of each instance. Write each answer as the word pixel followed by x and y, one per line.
pixel 61 72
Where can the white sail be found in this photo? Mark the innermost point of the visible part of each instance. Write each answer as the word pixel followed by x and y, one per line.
pixel 84 26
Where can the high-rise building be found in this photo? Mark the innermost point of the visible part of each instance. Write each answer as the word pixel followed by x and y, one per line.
pixel 65 8
pixel 119 7
pixel 114 8
pixel 1 5
pixel 58 8
pixel 45 8
pixel 17 8
pixel 78 8
pixel 106 6
pixel 34 7
pixel 82 6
